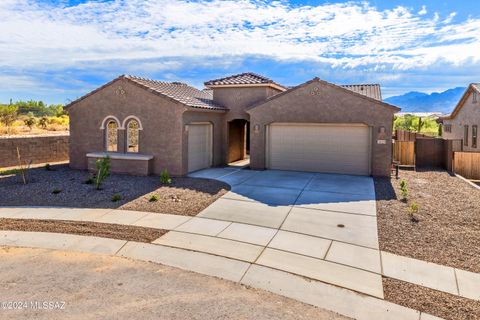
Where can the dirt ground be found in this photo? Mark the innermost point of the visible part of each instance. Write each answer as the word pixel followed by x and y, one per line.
pixel 184 196
pixel 106 230
pixel 448 230
pixel 103 287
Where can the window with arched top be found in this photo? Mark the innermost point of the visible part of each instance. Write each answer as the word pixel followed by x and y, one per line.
pixel 132 136
pixel 111 136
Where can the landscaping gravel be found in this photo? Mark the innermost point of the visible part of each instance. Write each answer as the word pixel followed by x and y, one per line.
pixel 448 230
pixel 427 300
pixel 106 230
pixel 66 187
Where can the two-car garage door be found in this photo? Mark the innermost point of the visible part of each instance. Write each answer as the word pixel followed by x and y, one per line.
pixel 332 148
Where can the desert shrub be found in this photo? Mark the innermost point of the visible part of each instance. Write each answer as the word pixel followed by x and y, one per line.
pixel 404 189
pixel 8 115
pixel 165 177
pixel 43 122
pixel 48 167
pixel 154 198
pixel 116 197
pixel 103 171
pixel 56 191
pixel 30 122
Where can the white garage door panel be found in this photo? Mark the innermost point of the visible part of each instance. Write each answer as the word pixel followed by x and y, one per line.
pixel 319 148
pixel 199 146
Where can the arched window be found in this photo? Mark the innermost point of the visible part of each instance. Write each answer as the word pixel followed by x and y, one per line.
pixel 111 136
pixel 132 136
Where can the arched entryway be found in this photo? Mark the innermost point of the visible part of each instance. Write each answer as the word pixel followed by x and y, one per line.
pixel 238 140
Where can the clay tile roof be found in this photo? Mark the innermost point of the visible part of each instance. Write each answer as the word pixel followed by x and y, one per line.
pixel 369 90
pixel 180 92
pixel 247 78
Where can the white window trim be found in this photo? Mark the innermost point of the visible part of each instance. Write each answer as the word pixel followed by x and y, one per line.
pixel 107 118
pixel 125 122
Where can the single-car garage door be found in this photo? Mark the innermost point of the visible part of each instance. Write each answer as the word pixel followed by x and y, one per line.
pixel 199 146
pixel 336 148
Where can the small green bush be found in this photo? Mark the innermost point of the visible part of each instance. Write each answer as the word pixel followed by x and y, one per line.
pixel 165 177
pixel 9 172
pixel 56 191
pixel 103 171
pixel 30 122
pixel 412 211
pixel 48 167
pixel 404 189
pixel 154 198
pixel 116 197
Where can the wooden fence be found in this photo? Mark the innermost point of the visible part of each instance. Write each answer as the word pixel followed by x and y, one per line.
pixel 403 135
pixel 430 152
pixel 404 152
pixel 467 164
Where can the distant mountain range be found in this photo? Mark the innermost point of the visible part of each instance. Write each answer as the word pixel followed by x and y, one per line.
pixel 443 102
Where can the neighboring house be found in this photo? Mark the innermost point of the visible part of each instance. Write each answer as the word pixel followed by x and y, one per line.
pixel 463 122
pixel 146 126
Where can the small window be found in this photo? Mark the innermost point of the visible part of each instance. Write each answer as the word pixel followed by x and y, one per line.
pixel 474 97
pixel 111 136
pixel 465 135
pixel 474 136
pixel 447 128
pixel 132 136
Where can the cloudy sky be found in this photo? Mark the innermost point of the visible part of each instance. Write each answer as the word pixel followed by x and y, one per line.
pixel 56 50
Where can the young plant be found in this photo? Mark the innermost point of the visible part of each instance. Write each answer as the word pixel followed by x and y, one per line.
pixel 404 189
pixel 154 198
pixel 116 197
pixel 412 211
pixel 56 191
pixel 24 166
pixel 103 171
pixel 48 167
pixel 165 177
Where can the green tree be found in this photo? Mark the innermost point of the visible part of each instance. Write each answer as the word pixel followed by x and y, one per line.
pixel 8 115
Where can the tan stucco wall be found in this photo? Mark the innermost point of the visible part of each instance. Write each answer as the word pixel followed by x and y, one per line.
pixel 469 115
pixel 328 104
pixel 161 120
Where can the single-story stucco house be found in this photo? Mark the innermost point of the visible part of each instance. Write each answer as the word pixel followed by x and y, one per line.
pixel 146 126
pixel 463 122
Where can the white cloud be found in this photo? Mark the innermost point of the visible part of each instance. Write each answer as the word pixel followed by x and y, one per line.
pixel 423 11
pixel 345 35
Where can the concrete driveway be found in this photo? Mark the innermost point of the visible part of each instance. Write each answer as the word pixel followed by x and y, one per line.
pixel 331 206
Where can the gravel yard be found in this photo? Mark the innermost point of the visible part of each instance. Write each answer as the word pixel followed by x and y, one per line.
pixel 184 196
pixel 437 303
pixel 448 231
pixel 106 230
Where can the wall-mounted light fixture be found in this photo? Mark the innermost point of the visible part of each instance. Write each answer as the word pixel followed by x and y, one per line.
pixel 256 128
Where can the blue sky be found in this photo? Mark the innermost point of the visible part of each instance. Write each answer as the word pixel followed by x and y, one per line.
pixel 58 50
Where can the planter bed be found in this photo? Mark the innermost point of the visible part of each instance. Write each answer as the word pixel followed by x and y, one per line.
pixel 448 231
pixel 105 230
pixel 184 196
pixel 434 302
